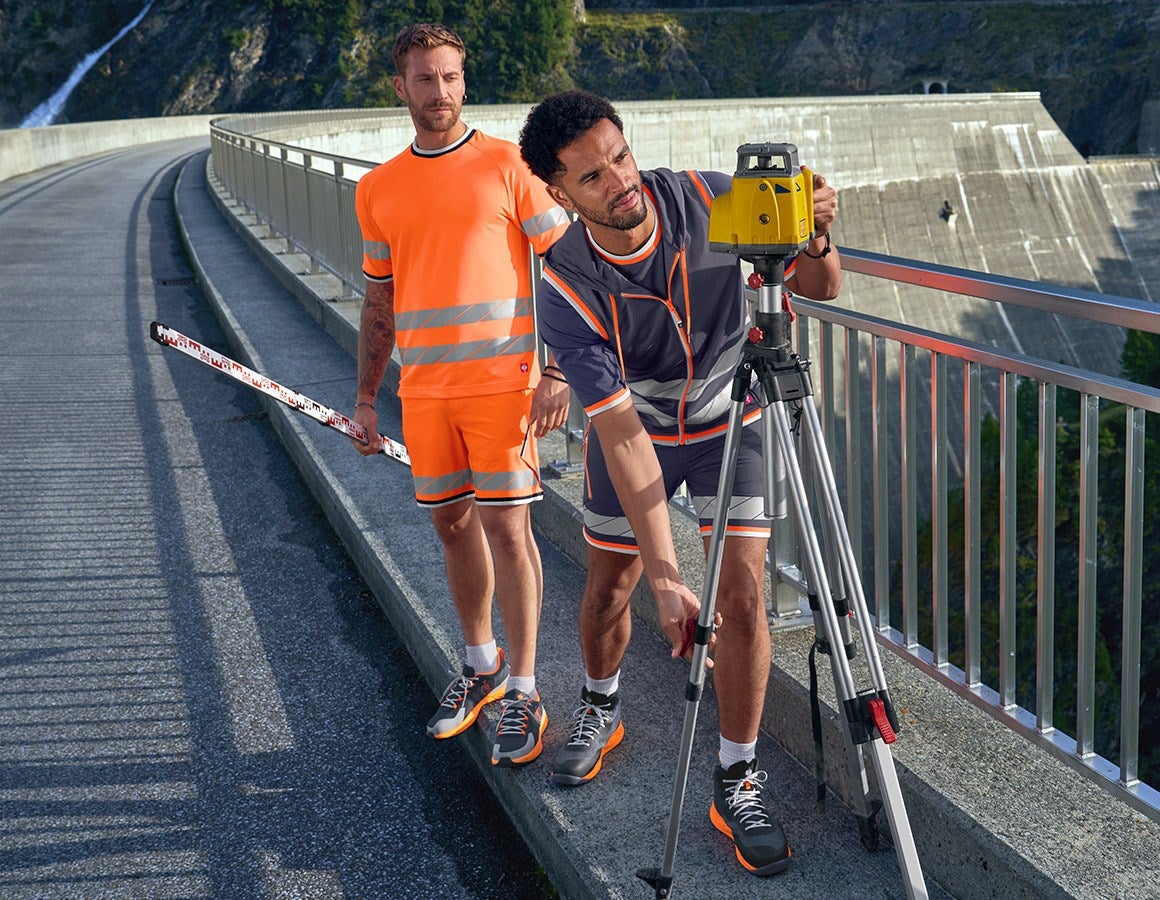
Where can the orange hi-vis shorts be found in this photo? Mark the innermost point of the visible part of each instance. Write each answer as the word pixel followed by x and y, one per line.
pixel 477 447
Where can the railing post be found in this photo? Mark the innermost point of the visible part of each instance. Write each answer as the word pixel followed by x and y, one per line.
pixel 909 442
pixel 881 452
pixel 1133 560
pixel 786 577
pixel 938 506
pixel 1045 626
pixel 972 540
pixel 307 161
pixel 1086 651
pixel 1007 518
pixel 284 157
pixel 346 289
pixel 854 445
pixel 826 371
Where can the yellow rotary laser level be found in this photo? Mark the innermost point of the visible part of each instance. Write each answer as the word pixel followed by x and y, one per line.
pixel 769 210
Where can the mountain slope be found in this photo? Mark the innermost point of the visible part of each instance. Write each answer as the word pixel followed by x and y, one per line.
pixel 1097 65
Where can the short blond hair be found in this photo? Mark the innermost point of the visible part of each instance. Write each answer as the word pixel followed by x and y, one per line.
pixel 428 36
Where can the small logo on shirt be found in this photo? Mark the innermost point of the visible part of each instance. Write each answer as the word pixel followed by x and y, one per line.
pixel 524 368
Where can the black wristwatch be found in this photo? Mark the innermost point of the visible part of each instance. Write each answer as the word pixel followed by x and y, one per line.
pixel 825 249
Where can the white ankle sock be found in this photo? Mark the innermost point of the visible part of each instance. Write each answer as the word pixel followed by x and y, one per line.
pixel 605 686
pixel 731 752
pixel 525 684
pixel 483 657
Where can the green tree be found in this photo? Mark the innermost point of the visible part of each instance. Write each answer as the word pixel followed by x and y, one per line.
pixel 516 51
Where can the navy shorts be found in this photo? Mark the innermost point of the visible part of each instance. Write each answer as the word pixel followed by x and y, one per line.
pixel 698 465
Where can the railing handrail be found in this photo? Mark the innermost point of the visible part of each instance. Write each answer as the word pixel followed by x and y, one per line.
pixel 1127 312
pixel 1136 793
pixel 1118 390
pixel 270 143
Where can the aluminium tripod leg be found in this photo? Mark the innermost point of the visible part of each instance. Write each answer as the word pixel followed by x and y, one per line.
pixel 875 734
pixel 662 879
pixel 864 807
pixel 887 775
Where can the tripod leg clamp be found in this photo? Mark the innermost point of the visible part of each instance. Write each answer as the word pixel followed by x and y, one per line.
pixel 870 715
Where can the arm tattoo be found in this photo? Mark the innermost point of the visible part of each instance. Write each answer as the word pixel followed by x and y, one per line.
pixel 376 337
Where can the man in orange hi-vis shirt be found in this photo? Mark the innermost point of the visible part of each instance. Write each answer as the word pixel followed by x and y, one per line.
pixel 447 226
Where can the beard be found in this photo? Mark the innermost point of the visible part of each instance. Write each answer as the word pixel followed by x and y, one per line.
pixel 613 218
pixel 436 119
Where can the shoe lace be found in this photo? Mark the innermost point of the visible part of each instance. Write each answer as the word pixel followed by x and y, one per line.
pixel 744 798
pixel 589 720
pixel 456 692
pixel 515 715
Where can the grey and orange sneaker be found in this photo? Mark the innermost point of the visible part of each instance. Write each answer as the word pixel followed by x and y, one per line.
pixel 466 696
pixel 519 735
pixel 739 811
pixel 596 729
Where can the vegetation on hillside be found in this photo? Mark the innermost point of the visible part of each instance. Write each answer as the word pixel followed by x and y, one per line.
pixel 1094 63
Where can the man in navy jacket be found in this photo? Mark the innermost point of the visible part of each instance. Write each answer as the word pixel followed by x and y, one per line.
pixel 647 325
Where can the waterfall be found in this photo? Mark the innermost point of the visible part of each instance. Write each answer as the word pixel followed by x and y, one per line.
pixel 46 112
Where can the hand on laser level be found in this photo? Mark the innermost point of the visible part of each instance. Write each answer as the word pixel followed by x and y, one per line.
pixel 825 205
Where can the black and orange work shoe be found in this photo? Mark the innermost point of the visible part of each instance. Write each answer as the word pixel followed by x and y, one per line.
pixel 519 735
pixel 596 729
pixel 466 696
pixel 739 811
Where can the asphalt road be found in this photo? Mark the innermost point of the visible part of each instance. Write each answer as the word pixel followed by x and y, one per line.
pixel 198 694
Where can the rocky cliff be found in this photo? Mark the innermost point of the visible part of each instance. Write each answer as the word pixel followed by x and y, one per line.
pixel 1097 65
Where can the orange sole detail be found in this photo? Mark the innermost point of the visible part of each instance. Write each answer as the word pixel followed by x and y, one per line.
pixel 718 822
pixel 532 754
pixel 614 739
pixel 470 720
pixel 771 869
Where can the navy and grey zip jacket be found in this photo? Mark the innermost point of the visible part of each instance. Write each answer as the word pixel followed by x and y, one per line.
pixel 665 325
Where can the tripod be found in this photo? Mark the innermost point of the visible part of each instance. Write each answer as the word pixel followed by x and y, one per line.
pixel 869 723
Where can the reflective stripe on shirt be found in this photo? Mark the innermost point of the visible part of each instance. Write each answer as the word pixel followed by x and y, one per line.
pixel 544 222
pixel 379 250
pixel 465 314
pixel 450 353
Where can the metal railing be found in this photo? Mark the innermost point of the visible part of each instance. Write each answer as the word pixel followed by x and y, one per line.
pixel 851 345
pixel 866 371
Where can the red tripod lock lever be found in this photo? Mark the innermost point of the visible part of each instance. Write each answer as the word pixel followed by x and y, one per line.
pixel 882 721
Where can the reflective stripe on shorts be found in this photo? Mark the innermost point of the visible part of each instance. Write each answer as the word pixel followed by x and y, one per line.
pixel 472 447
pixel 698 465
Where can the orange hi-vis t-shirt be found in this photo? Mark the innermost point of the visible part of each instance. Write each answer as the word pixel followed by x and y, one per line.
pixel 452 228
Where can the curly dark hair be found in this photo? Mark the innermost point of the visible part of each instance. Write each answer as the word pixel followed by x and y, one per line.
pixel 556 122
